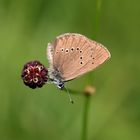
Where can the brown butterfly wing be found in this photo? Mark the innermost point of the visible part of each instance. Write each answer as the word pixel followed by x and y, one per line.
pixel 75 54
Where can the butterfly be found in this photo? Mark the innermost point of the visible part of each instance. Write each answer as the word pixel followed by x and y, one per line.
pixel 71 55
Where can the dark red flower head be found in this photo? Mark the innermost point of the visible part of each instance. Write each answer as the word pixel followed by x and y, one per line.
pixel 34 74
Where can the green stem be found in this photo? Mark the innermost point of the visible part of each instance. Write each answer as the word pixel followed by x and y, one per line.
pixel 85 117
pixel 97 18
pixel 96 24
pixel 87 98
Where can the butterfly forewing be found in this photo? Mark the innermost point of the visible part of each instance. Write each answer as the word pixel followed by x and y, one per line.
pixel 75 54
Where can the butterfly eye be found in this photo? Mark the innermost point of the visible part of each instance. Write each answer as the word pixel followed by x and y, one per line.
pixel 81 62
pixel 77 49
pixel 80 51
pixel 81 57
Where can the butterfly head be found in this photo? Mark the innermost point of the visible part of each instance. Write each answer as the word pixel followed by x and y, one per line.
pixel 59 83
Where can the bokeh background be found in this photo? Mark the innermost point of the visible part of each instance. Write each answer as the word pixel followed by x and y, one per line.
pixel 26 26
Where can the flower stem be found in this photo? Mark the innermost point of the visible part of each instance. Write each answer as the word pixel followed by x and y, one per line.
pixel 97 18
pixel 87 98
pixel 85 117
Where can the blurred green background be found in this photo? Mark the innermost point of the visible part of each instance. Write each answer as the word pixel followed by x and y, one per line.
pixel 26 26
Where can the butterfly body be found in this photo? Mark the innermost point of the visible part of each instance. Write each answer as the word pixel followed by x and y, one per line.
pixel 72 55
pixel 54 77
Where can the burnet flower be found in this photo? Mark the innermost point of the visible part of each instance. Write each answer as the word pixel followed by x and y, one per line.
pixel 34 74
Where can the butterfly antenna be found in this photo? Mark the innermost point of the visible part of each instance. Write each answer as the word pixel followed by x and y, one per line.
pixel 69 95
